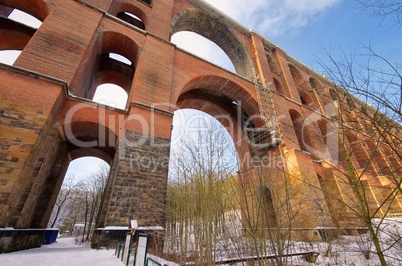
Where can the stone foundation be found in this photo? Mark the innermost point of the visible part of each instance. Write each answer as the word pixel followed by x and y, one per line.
pixel 20 239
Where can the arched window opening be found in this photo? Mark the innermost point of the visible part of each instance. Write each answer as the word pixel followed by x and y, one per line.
pixel 391 156
pixel 278 86
pixel 269 209
pixel 272 63
pixel 130 13
pixel 350 102
pixel 351 120
pixel 112 70
pixel 131 19
pixel 334 94
pixel 302 132
pixel 298 77
pixel 329 191
pixel 305 99
pixel 356 147
pixel 330 143
pixel 202 47
pixel 379 157
pixel 83 186
pixel 316 85
pixel 111 95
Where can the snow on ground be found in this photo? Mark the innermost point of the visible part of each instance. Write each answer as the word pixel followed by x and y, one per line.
pixel 63 252
pixel 345 250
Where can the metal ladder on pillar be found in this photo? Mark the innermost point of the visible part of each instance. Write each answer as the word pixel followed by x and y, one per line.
pixel 268 136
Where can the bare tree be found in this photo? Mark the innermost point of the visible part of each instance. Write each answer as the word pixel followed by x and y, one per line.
pixel 84 199
pixel 93 191
pixel 195 202
pixel 384 9
pixel 214 212
pixel 64 198
pixel 369 100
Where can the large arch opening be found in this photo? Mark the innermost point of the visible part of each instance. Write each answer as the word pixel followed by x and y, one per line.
pixel 205 194
pixel 197 21
pixel 78 201
pixel 81 166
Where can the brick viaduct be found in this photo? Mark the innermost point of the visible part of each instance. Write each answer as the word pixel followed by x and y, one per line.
pixel 48 118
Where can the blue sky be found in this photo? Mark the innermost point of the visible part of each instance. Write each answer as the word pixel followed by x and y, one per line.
pixel 306 28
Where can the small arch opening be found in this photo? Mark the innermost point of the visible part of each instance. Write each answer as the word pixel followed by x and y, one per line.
pixel 297 76
pixel 305 99
pixel 129 13
pixel 316 85
pixel 131 19
pixel 302 132
pixel 269 209
pixel 272 63
pixel 116 62
pixel 334 94
pixel 278 86
pixel 357 145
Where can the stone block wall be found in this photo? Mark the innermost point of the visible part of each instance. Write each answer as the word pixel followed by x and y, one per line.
pixel 137 184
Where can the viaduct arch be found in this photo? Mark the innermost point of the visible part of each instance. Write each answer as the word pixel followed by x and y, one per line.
pixel 48 116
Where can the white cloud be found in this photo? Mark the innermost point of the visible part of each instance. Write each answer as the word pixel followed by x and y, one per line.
pixel 270 18
pixel 310 6
pixel 273 17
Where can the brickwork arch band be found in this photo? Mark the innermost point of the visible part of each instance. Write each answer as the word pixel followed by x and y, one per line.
pixel 199 22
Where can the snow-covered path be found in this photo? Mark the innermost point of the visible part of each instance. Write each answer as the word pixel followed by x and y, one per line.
pixel 62 253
